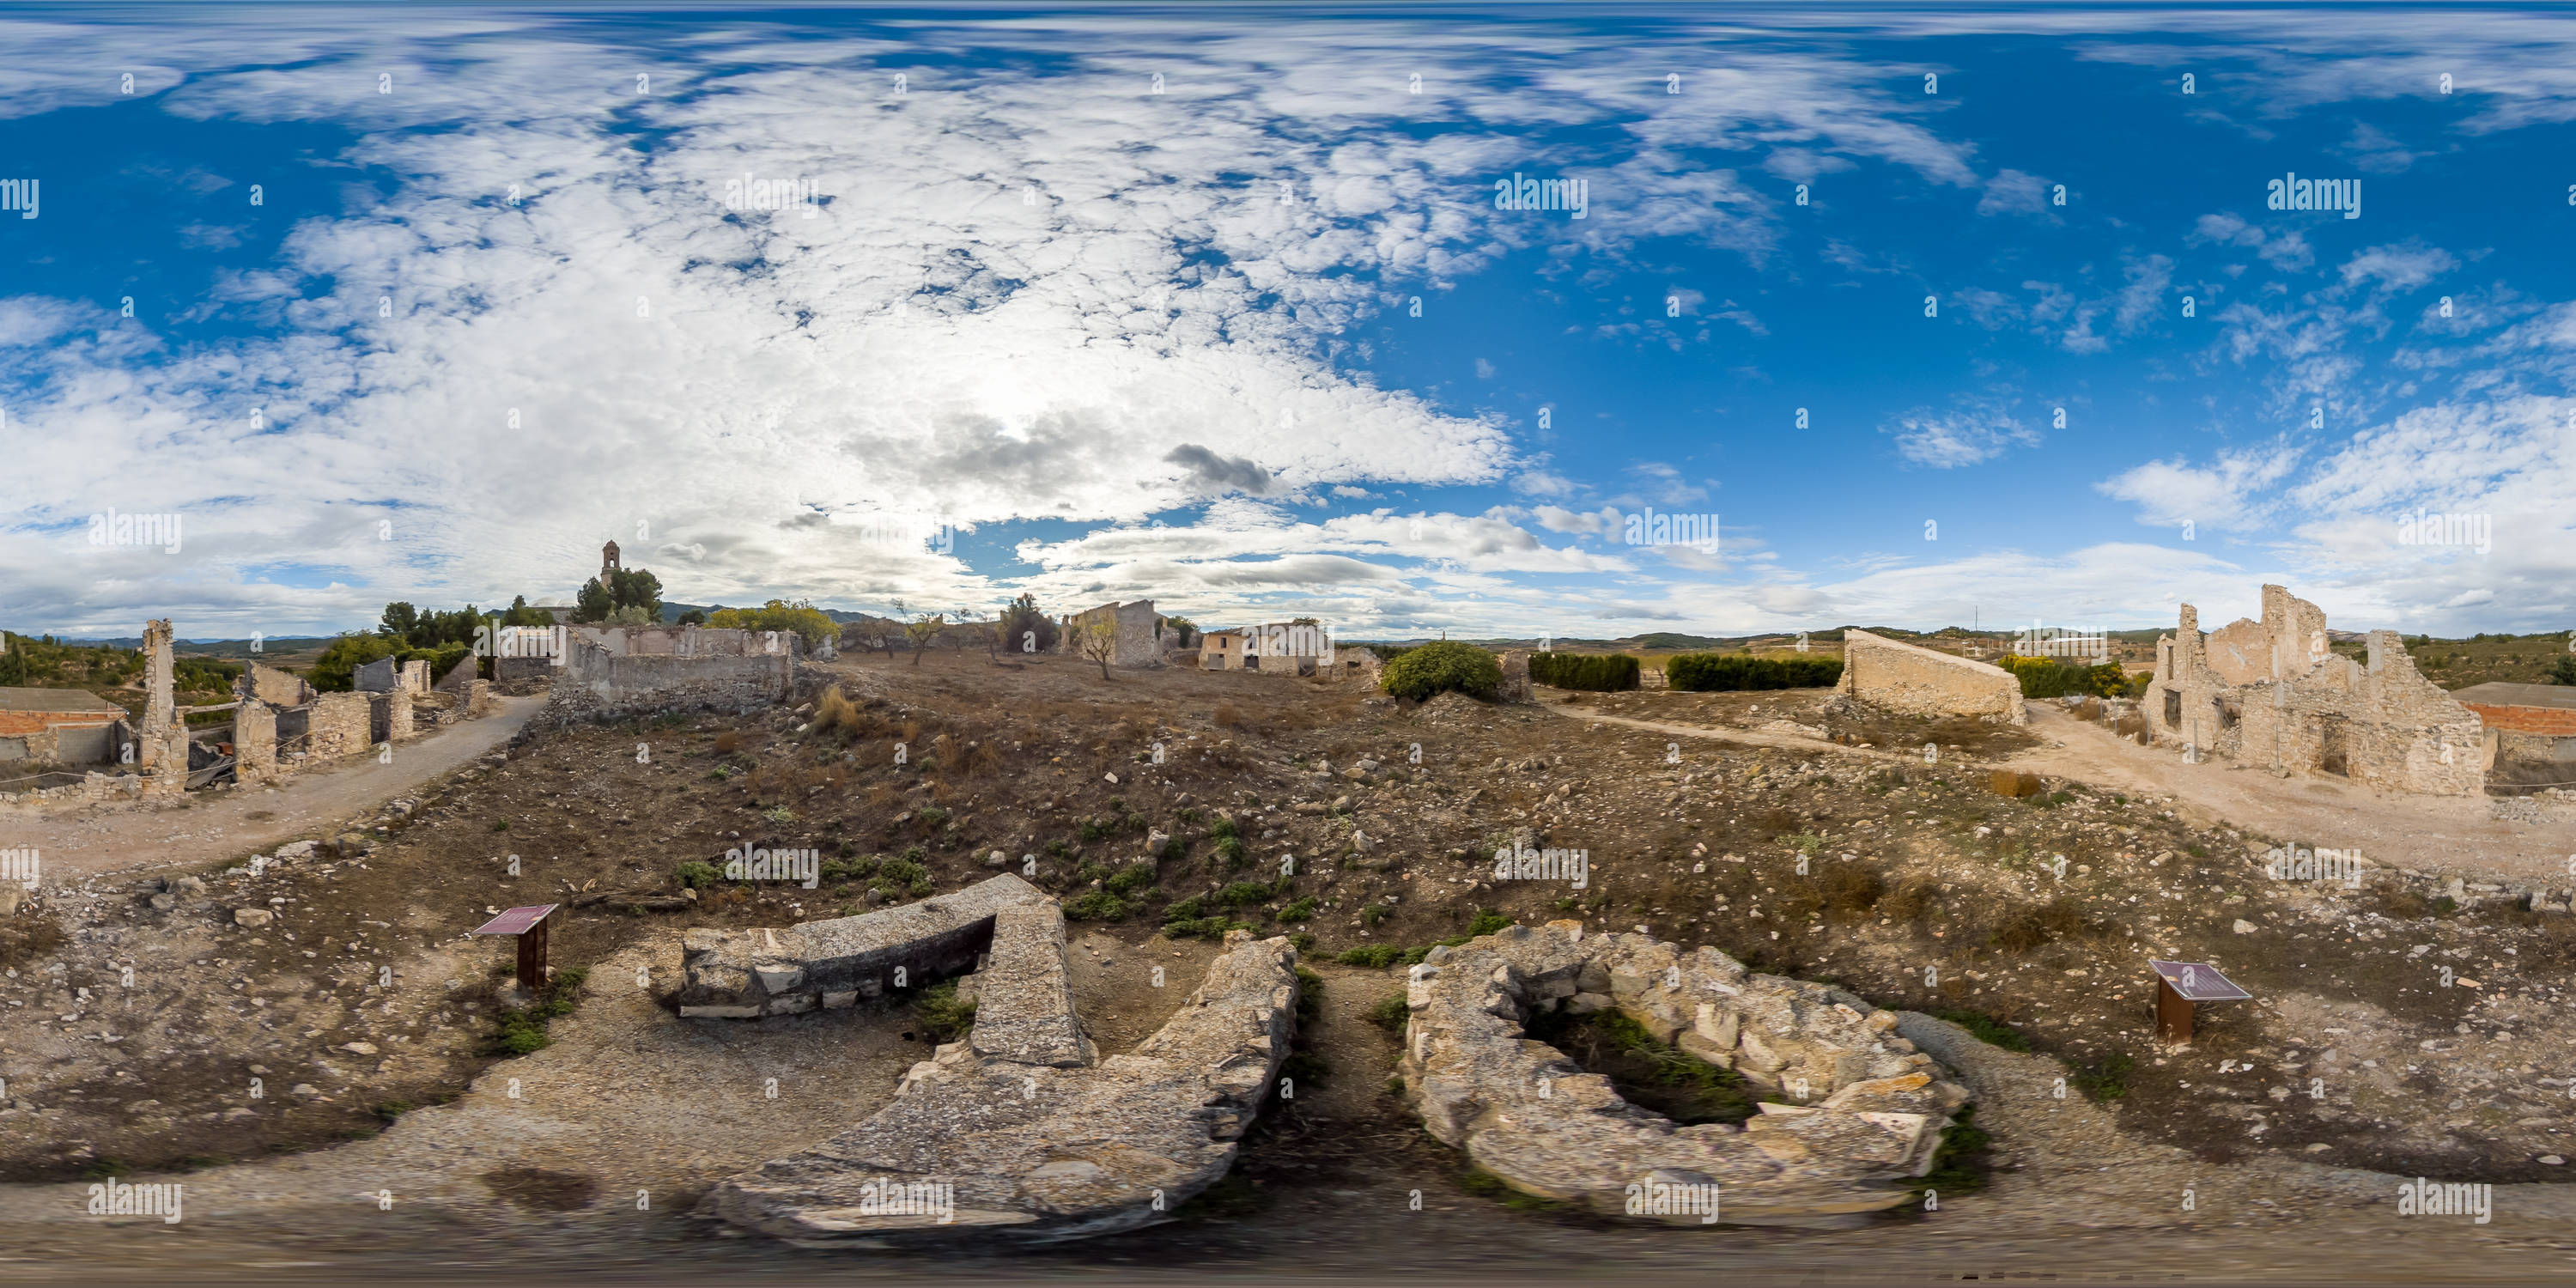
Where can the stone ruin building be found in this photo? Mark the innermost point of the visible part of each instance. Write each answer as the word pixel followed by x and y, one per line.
pixel 1918 681
pixel 1137 627
pixel 2273 694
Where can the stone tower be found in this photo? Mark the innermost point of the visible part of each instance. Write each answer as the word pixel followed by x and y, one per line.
pixel 607 561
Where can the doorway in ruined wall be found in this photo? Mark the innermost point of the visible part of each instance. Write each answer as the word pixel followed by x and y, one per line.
pixel 2173 709
pixel 2332 756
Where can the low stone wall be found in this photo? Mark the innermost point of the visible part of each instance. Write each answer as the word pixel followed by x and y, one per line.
pixel 1015 1136
pixel 1867 1108
pixel 741 974
pixel 340 727
pixel 598 685
pixel 1926 682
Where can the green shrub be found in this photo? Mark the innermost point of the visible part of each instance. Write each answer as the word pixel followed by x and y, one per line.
pixel 1590 672
pixel 1736 672
pixel 2047 677
pixel 1391 1013
pixel 1370 955
pixel 1131 878
pixel 1184 909
pixel 696 875
pixel 1243 892
pixel 1298 911
pixel 1097 905
pixel 1203 928
pixel 940 1013
pixel 1438 668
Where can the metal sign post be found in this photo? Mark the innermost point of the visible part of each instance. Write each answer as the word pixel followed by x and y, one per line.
pixel 2180 986
pixel 529 924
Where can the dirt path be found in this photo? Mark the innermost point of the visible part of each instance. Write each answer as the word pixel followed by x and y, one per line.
pixel 2431 833
pixel 232 822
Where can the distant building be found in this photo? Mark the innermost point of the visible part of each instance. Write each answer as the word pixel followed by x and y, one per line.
pixel 1138 630
pixel 1280 648
pixel 2530 732
pixel 68 726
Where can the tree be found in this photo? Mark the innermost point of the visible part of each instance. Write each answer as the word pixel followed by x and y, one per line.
pixel 13 660
pixel 519 614
pixel 400 621
pixel 1024 629
pixel 1188 629
pixel 694 617
pixel 336 670
pixel 2564 672
pixel 921 632
pixel 593 603
pixel 800 618
pixel 1097 640
pixel 1418 673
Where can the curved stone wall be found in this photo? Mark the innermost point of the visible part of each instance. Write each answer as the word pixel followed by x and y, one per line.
pixel 1870 1111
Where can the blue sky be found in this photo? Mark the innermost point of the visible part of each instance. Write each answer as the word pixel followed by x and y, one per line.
pixel 494 305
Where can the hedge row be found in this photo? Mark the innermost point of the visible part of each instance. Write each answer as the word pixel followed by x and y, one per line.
pixel 1728 672
pixel 1591 672
pixel 2047 677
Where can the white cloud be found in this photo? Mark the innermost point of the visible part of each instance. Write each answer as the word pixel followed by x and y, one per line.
pixel 1966 436
pixel 2224 496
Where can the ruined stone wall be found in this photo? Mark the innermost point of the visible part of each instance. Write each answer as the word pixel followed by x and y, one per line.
pixel 379 676
pixel 398 715
pixel 415 677
pixel 597 684
pixel 340 726
pixel 520 676
pixel 460 678
pixel 2273 695
pixel 1133 624
pixel 275 687
pixel 1924 682
pixel 254 742
pixel 1516 676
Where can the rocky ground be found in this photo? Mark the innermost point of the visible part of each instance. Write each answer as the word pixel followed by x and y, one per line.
pixel 2409 1027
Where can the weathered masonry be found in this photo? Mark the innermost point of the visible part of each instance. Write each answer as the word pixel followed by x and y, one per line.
pixel 1926 682
pixel 2274 694
pixel 1022 1132
pixel 2530 732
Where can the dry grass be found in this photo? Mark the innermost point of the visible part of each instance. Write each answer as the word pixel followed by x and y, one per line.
pixel 729 741
pixel 836 714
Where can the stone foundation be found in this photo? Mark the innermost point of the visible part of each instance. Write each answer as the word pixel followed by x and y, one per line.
pixel 1019 1134
pixel 1868 1109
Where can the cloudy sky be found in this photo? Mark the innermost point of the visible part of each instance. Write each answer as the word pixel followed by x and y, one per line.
pixel 1936 317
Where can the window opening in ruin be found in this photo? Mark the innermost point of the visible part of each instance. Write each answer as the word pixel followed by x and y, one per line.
pixel 2331 754
pixel 2228 713
pixel 2173 710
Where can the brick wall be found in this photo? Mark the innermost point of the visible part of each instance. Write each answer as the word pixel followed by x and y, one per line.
pixel 2548 720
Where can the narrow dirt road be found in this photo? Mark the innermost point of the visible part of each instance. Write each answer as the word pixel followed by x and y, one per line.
pixel 2431 833
pixel 234 821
